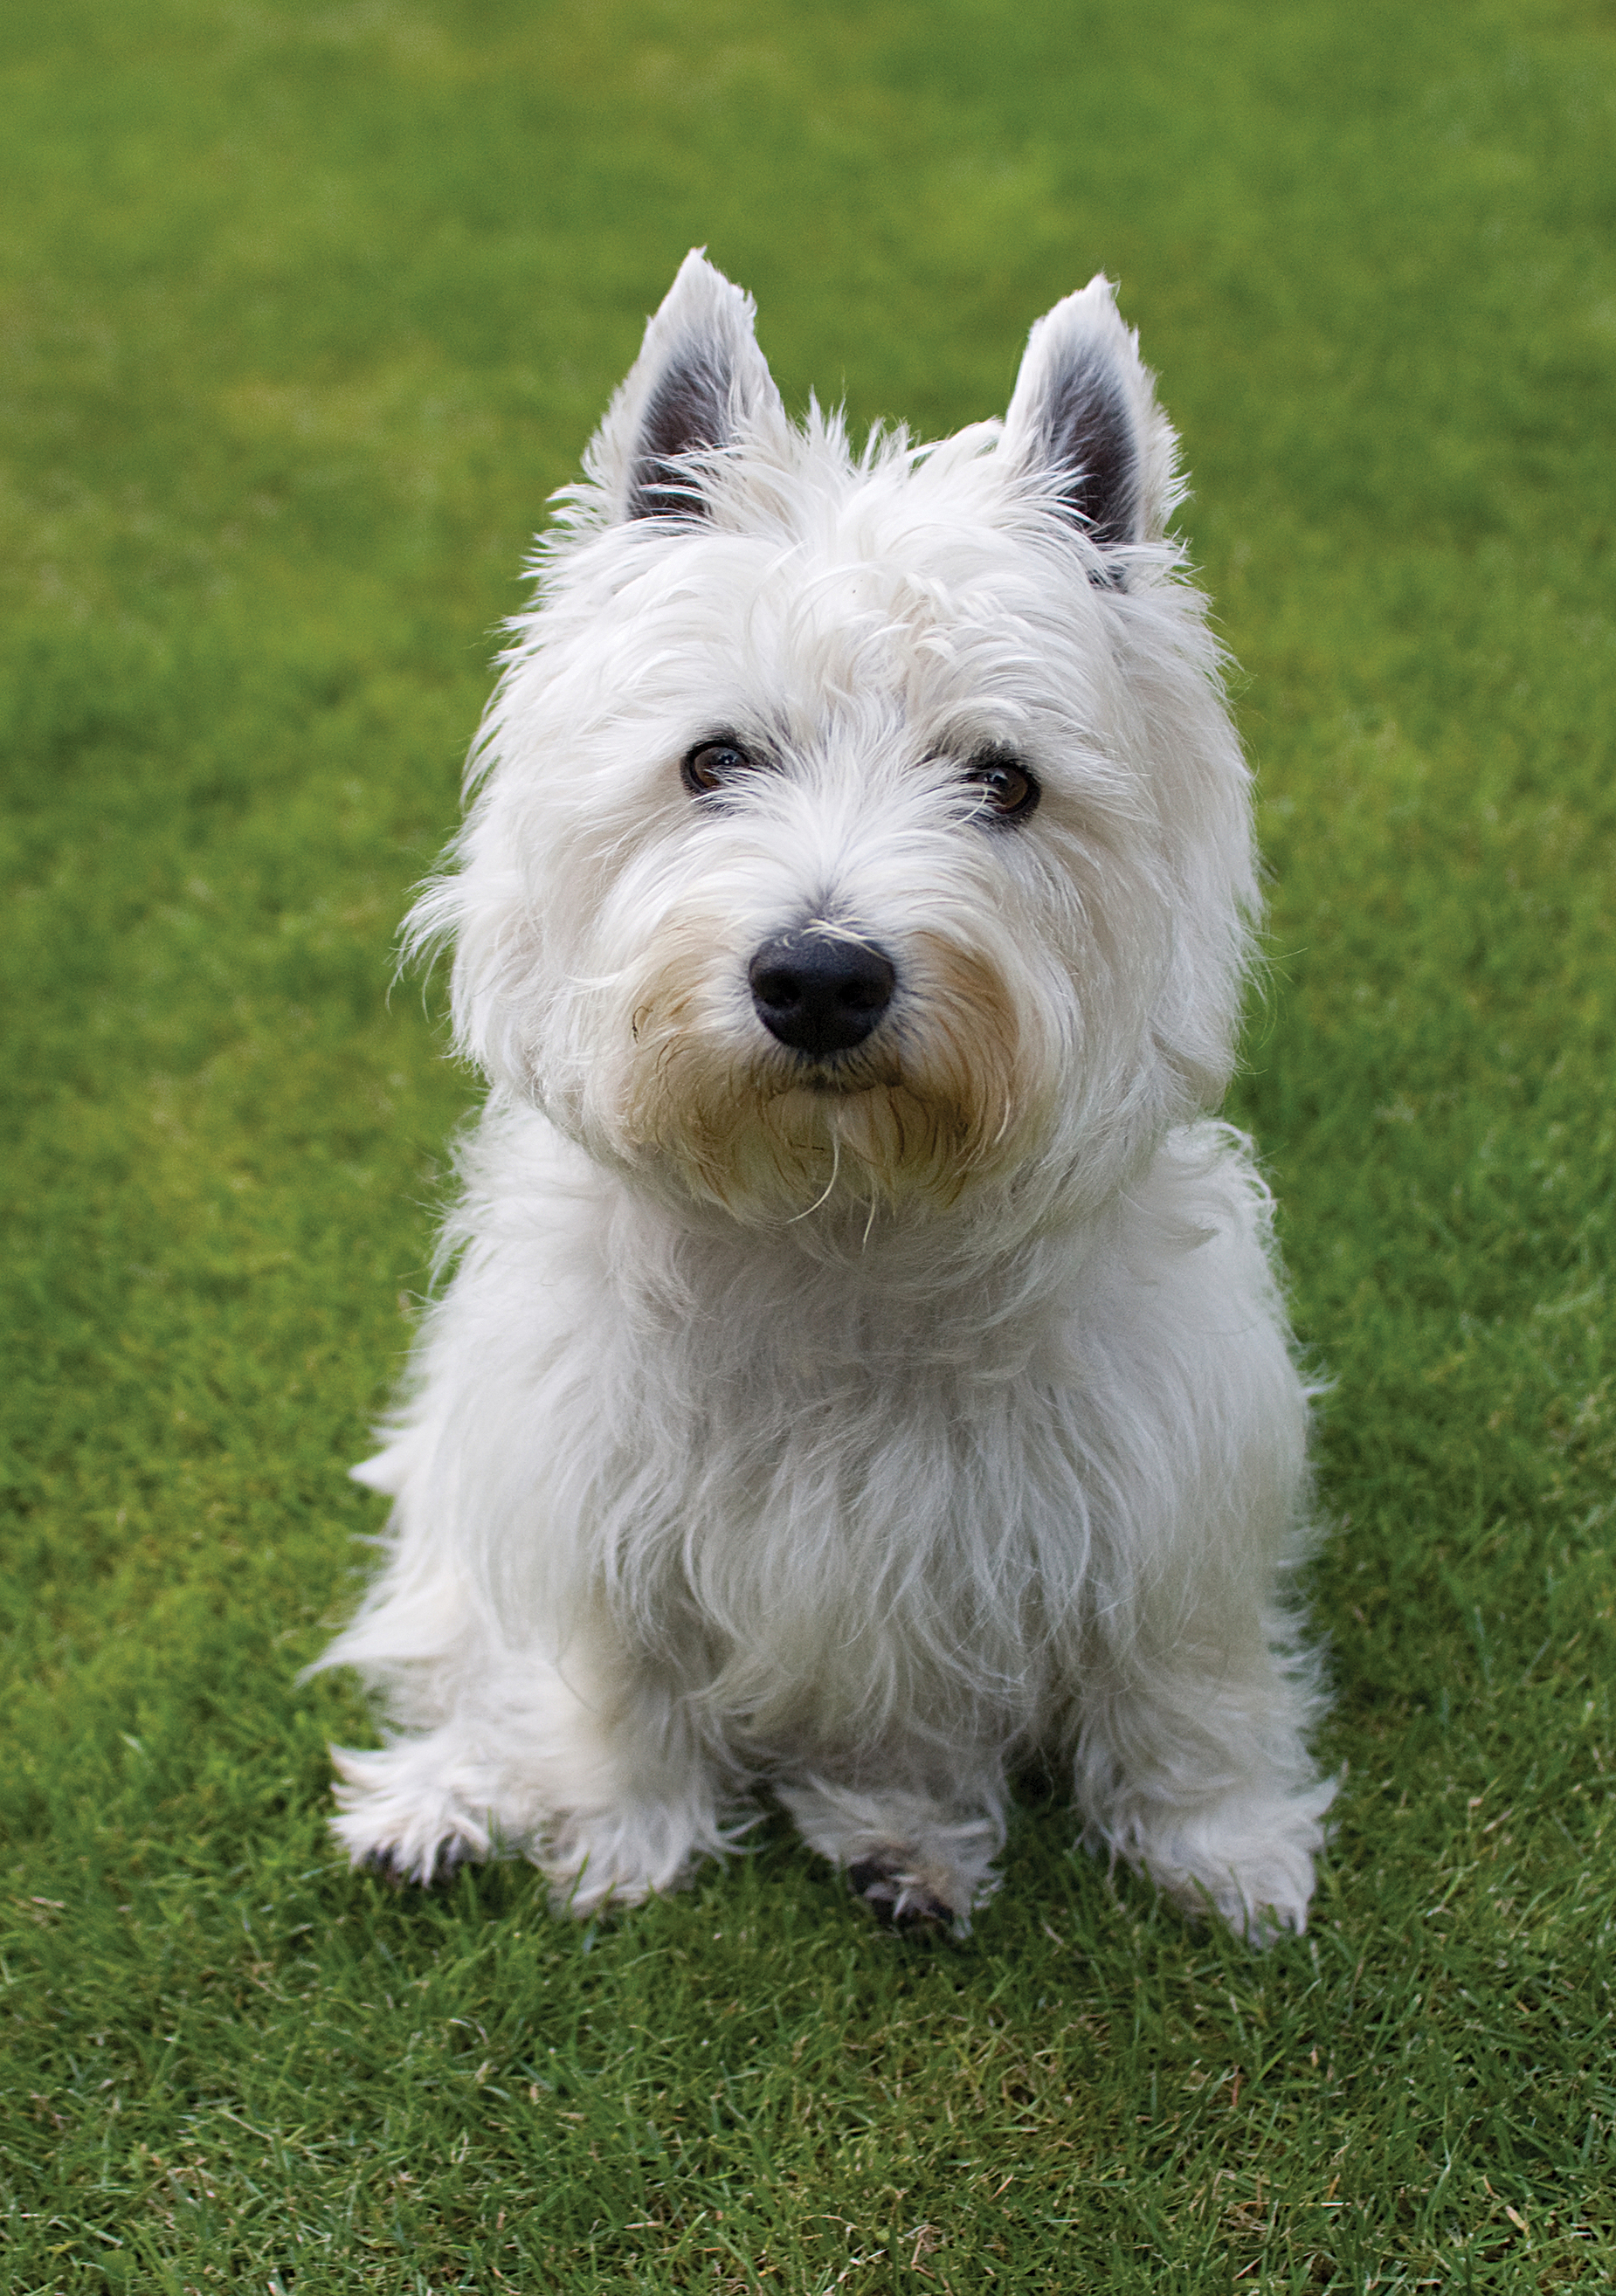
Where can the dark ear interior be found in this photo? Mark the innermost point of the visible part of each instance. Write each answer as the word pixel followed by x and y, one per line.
pixel 687 412
pixel 1087 434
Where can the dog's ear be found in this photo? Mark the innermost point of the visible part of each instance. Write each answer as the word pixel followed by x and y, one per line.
pixel 1084 414
pixel 699 378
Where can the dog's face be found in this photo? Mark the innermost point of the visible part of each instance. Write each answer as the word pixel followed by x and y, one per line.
pixel 860 831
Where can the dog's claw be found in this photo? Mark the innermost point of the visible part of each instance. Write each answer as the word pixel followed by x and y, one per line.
pixel 902 1906
pixel 387 1866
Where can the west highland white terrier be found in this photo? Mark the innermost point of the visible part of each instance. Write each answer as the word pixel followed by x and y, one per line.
pixel 863 1365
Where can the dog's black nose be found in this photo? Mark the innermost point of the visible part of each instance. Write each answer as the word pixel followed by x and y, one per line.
pixel 817 994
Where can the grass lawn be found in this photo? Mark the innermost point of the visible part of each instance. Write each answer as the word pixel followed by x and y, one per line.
pixel 307 305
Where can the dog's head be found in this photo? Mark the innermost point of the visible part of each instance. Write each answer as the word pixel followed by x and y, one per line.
pixel 859 828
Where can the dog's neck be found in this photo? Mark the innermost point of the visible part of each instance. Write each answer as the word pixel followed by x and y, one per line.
pixel 902 1286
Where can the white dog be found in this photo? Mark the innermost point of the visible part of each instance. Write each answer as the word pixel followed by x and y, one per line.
pixel 863 1364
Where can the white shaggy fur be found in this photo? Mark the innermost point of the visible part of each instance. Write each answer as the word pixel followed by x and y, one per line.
pixel 851 1424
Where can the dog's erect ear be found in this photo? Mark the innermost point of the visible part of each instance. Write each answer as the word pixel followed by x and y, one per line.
pixel 698 378
pixel 1084 413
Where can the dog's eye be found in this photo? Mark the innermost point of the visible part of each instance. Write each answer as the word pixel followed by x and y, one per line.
pixel 710 765
pixel 1009 791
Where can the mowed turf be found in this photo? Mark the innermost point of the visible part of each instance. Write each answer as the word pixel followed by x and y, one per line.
pixel 306 309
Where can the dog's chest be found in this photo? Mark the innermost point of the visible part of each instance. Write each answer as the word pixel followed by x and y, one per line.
pixel 824 1513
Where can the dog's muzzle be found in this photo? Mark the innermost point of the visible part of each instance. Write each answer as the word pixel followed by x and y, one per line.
pixel 820 995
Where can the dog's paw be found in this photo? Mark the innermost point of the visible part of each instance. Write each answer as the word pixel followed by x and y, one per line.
pixel 904 1895
pixel 1248 1859
pixel 917 1863
pixel 632 1850
pixel 396 1817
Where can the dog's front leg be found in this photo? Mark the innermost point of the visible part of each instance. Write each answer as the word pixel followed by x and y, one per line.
pixel 586 1764
pixel 1193 1766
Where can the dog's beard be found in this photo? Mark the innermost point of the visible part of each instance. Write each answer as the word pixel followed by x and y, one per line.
pixel 940 1096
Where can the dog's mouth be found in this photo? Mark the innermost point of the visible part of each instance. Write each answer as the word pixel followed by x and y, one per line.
pixel 839 1076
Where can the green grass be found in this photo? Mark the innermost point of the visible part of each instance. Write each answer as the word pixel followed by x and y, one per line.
pixel 305 308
